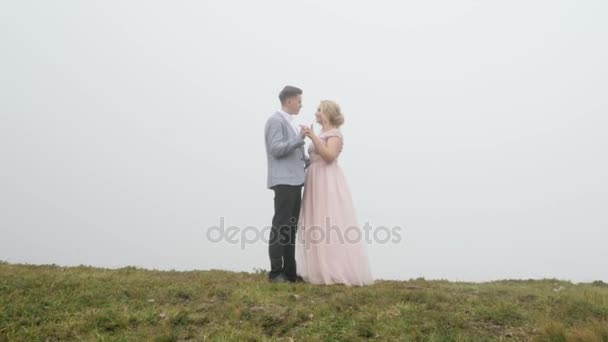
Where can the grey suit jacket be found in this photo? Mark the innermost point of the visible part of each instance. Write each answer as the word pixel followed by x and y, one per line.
pixel 284 152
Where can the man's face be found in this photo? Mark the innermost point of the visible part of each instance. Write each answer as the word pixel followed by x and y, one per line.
pixel 294 104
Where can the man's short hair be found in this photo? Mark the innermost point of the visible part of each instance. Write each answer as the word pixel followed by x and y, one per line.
pixel 289 91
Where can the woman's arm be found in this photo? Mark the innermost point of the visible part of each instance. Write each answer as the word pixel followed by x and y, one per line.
pixel 329 152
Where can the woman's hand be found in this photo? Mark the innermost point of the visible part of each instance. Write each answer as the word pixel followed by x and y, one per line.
pixel 307 131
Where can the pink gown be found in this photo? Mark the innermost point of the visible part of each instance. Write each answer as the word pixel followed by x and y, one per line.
pixel 330 246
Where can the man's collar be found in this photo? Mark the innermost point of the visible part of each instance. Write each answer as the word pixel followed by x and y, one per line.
pixel 286 115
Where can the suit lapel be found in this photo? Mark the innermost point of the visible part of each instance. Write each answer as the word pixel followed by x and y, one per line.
pixel 289 127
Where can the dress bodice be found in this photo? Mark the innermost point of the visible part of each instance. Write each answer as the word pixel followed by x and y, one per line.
pixel 324 136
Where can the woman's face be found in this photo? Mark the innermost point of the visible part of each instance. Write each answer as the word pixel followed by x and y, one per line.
pixel 319 116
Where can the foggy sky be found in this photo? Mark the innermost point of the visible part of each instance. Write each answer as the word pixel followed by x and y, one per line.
pixel 129 128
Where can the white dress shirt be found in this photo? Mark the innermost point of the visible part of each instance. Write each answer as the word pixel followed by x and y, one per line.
pixel 289 119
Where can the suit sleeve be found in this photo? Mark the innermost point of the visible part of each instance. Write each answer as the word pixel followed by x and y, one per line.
pixel 279 144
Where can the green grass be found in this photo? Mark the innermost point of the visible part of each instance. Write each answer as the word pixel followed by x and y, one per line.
pixel 53 303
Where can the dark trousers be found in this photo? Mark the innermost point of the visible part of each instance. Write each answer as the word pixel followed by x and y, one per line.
pixel 281 247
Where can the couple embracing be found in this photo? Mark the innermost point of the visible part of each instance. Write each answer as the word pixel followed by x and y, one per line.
pixel 315 237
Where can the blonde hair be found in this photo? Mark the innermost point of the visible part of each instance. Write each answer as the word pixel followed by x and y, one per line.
pixel 332 112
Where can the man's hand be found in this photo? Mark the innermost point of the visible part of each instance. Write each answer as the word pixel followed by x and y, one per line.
pixel 305 131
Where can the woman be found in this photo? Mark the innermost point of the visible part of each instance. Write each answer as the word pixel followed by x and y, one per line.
pixel 330 245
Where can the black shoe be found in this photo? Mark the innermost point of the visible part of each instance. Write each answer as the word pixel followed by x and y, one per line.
pixel 278 279
pixel 297 279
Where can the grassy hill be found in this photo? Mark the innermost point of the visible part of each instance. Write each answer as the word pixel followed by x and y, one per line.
pixel 53 303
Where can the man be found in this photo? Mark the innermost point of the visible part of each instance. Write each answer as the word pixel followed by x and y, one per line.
pixel 286 164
